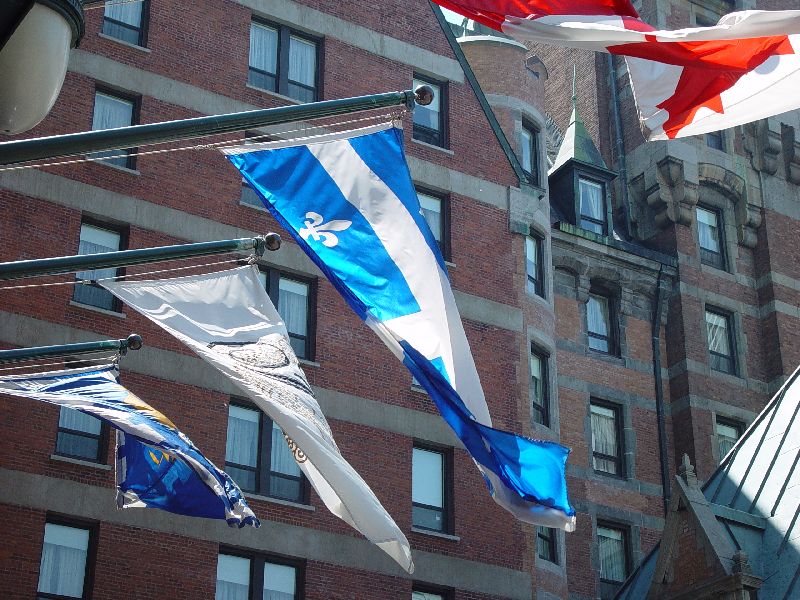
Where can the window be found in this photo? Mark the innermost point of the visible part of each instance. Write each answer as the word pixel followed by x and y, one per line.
pixel 65 568
pixel 258 458
pixel 430 485
pixel 540 409
pixel 720 341
pixel 430 122
pixel 599 323
pixel 546 544
pixel 728 431
pixel 294 299
pixel 80 436
pixel 110 112
pixel 256 578
pixel 126 22
pixel 283 61
pixel 593 206
pixel 716 140
pixel 426 592
pixel 96 239
pixel 529 155
pixel 709 234
pixel 613 550
pixel 434 209
pixel 606 438
pixel 533 265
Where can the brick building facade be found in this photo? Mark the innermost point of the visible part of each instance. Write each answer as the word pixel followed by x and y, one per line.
pixel 561 305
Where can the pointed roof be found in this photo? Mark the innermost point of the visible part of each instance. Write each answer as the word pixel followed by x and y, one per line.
pixel 755 496
pixel 577 144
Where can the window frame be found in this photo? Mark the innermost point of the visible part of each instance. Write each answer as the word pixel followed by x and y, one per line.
pixel 618 460
pixel 102 440
pixel 626 548
pixel 91 555
pixel 441 137
pixel 257 562
pixel 716 140
pixel 143 30
pixel 444 204
pixel 604 224
pixel 544 407
pixel 448 524
pixel 136 101
pixel 730 324
pixel 739 426
pixel 612 338
pixel 273 276
pixel 537 281
pixel 718 260
pixel 263 469
pixel 285 33
pixel 550 540
pixel 534 132
pixel 123 231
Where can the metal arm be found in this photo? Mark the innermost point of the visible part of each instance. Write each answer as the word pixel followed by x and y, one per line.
pixel 122 258
pixel 170 131
pixel 132 342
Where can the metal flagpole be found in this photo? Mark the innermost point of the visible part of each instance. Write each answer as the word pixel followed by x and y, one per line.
pixel 123 258
pixel 139 135
pixel 132 342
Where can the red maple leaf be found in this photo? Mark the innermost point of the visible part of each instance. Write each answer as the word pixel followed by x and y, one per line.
pixel 709 68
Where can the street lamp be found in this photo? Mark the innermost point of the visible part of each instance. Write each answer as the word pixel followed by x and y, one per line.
pixel 35 38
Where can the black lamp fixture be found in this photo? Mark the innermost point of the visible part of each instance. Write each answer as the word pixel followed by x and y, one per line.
pixel 35 39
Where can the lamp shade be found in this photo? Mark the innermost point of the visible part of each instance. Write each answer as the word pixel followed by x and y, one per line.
pixel 33 62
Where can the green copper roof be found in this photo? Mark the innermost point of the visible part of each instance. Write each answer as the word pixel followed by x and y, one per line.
pixel 577 145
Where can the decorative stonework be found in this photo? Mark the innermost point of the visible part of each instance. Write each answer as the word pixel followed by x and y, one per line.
pixel 669 199
pixel 748 215
pixel 765 145
pixel 791 154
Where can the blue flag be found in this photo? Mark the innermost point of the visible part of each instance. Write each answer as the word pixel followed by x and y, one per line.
pixel 157 465
pixel 349 201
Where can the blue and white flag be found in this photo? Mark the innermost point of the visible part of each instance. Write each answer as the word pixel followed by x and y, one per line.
pixel 349 201
pixel 157 465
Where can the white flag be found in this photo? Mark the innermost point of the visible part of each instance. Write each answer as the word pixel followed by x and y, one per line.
pixel 228 319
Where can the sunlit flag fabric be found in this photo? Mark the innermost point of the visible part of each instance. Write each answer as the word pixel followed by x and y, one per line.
pixel 349 202
pixel 685 82
pixel 228 319
pixel 158 466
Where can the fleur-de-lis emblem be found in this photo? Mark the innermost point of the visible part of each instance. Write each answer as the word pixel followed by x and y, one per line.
pixel 319 231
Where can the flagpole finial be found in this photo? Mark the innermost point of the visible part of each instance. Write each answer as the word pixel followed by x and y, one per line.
pixel 423 95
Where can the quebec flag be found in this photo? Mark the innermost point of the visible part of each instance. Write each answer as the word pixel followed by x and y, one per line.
pixel 157 465
pixel 349 201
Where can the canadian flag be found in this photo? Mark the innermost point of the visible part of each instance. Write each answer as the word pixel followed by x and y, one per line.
pixel 685 82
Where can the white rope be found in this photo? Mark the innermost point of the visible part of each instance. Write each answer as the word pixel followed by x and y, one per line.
pixel 118 277
pixel 209 146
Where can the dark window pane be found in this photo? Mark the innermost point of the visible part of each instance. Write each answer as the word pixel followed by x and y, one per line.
pixel 288 488
pixel 77 446
pixel 427 518
pixel 246 479
pixel 262 80
pixel 605 435
pixel 112 112
pixel 249 197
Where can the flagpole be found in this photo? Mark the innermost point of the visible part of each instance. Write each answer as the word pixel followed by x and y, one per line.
pixel 132 342
pixel 170 131
pixel 124 258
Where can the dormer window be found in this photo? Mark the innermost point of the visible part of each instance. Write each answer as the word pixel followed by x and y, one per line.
pixel 592 206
